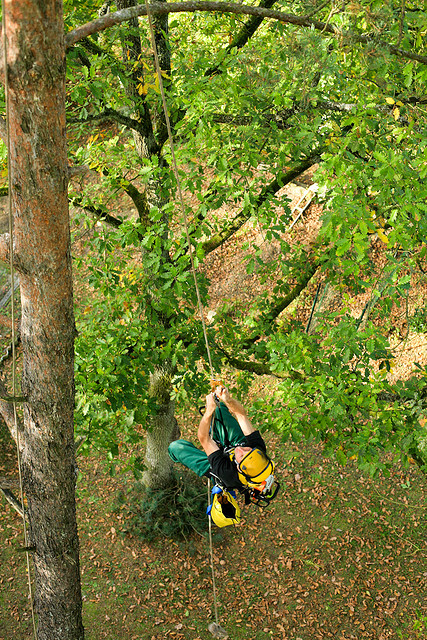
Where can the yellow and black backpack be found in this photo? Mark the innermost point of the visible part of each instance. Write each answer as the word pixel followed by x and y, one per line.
pixel 223 509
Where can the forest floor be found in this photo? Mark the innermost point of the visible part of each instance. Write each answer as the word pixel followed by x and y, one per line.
pixel 337 555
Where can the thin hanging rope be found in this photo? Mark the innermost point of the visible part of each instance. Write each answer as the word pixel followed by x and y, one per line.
pixel 313 308
pixel 12 281
pixel 211 557
pixel 178 183
pixel 193 269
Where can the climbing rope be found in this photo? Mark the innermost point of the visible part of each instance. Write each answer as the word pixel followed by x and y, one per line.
pixel 12 278
pixel 214 628
pixel 178 183
pixel 211 556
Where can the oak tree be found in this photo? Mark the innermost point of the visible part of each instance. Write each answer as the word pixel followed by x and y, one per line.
pixel 336 87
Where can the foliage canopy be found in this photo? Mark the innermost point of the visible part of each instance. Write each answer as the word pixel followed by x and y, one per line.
pixel 253 106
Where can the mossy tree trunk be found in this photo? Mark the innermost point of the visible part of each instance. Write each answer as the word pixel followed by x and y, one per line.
pixel 162 430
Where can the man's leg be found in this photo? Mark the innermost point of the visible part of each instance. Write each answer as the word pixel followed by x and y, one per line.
pixel 226 429
pixel 187 454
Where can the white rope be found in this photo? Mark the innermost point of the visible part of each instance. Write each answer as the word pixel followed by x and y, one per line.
pixel 190 250
pixel 12 278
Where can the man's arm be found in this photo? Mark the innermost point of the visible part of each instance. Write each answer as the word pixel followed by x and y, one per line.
pixel 205 440
pixel 237 408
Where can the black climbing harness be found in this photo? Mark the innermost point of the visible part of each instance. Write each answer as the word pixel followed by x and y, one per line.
pixel 260 495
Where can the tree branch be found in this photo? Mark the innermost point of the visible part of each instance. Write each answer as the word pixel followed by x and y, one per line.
pixel 11 498
pixel 110 114
pixel 93 47
pixel 101 214
pixel 145 140
pixel 281 304
pixel 259 368
pixel 413 99
pixel 139 198
pixel 161 39
pixel 245 33
pixel 229 7
pixel 283 178
pixel 8 414
pixel 280 118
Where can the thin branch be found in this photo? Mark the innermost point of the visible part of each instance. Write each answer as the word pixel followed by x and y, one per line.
pixel 317 9
pixel 229 7
pixel 76 201
pixel 8 414
pixel 100 213
pixel 12 500
pixel 280 118
pixel 78 443
pixel 270 315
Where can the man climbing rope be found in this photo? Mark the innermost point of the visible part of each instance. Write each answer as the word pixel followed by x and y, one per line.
pixel 234 453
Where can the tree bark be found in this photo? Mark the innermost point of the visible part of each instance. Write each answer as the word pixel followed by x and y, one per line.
pixel 38 161
pixel 162 430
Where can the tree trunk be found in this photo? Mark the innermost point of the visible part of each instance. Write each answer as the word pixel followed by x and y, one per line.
pixel 145 144
pixel 163 426
pixel 162 430
pixel 38 157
